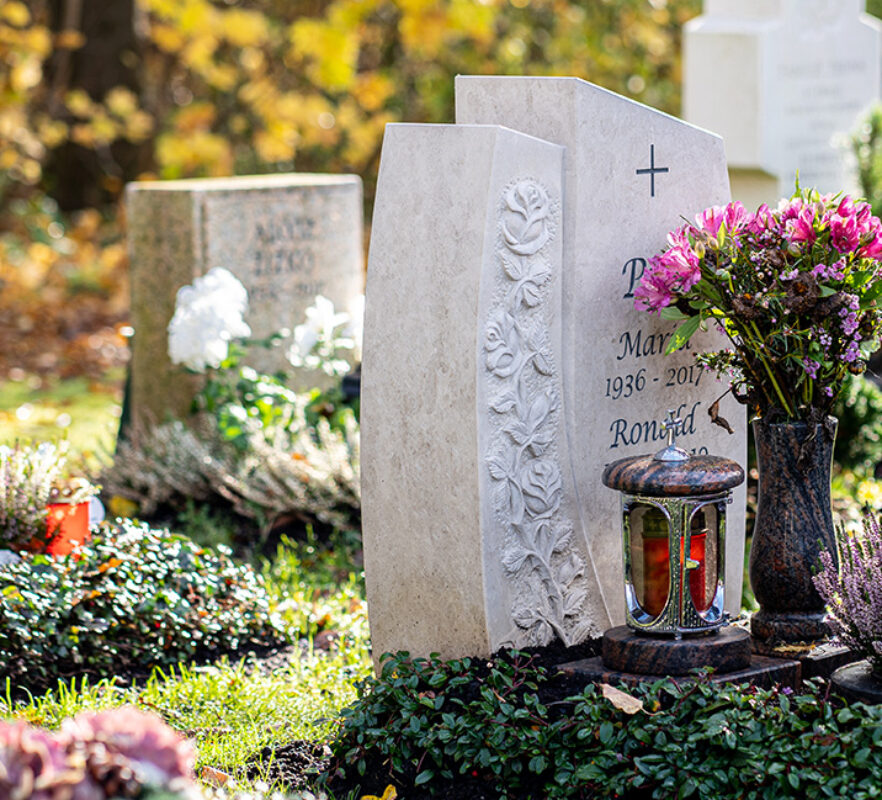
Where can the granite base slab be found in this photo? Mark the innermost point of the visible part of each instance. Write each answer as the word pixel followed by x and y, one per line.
pixel 763 672
pixel 726 650
pixel 816 660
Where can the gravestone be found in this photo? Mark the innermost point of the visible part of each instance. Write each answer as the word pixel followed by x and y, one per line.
pixel 287 238
pixel 501 375
pixel 462 438
pixel 631 174
pixel 784 83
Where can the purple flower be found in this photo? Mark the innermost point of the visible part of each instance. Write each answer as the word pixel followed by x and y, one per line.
pixel 852 590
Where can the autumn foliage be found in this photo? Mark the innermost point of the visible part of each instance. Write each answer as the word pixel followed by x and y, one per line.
pixel 219 87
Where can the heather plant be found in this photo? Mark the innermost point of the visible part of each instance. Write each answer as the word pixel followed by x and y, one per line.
pixel 27 474
pixel 96 756
pixel 309 471
pixel 130 598
pixel 30 477
pixel 853 592
pixel 795 289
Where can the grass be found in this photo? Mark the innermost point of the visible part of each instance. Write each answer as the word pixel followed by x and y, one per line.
pixel 84 412
pixel 232 710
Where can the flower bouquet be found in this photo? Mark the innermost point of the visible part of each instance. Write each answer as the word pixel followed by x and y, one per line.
pixel 796 292
pixel 795 289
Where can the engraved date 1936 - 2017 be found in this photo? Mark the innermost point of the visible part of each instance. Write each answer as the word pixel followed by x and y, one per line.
pixel 621 387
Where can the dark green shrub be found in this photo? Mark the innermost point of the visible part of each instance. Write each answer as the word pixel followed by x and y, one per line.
pixel 132 598
pixel 859 438
pixel 427 723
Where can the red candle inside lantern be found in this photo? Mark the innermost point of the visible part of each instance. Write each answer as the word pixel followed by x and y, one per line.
pixel 67 527
pixel 656 564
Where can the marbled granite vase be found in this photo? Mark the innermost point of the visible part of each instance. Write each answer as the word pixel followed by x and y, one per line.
pixel 793 523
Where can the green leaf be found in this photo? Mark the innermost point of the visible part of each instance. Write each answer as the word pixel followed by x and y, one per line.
pixel 683 334
pixel 537 764
pixel 424 777
pixel 871 295
pixel 827 291
pixel 672 313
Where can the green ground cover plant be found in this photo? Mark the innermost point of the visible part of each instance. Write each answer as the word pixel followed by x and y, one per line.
pixel 131 598
pixel 425 725
pixel 240 711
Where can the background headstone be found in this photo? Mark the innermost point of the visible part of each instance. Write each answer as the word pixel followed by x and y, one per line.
pixel 784 83
pixel 631 175
pixel 287 238
pixel 463 445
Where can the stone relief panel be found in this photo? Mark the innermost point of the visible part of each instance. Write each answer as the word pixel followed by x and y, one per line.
pixel 541 562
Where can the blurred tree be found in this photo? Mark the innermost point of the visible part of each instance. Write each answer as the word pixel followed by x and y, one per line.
pixel 310 84
pixel 96 54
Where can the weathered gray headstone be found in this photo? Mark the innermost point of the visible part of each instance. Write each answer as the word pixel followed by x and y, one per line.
pixel 631 173
pixel 287 238
pixel 463 445
pixel 783 82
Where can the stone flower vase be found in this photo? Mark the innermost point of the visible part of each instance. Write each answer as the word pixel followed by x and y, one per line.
pixel 794 522
pixel 858 683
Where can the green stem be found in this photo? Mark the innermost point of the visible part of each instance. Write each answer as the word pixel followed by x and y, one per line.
pixel 771 374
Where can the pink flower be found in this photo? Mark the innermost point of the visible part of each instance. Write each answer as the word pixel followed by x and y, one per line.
pixel 760 222
pixel 844 233
pixel 653 294
pixel 711 219
pixel 802 227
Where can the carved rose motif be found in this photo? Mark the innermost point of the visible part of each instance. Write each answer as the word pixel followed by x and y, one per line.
pixel 541 486
pixel 539 555
pixel 502 345
pixel 526 223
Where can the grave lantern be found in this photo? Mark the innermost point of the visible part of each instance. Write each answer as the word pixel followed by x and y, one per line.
pixel 673 536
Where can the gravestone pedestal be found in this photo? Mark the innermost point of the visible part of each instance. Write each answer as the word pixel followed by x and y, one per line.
pixel 726 650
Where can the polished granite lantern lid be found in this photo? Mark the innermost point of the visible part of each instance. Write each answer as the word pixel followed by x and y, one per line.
pixel 695 475
pixel 672 472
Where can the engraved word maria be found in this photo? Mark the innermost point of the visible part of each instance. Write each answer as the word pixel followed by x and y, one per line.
pixel 540 559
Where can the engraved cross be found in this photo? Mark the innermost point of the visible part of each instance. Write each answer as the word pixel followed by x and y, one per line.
pixel 651 170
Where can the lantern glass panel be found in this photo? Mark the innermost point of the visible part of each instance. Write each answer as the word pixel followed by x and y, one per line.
pixel 650 558
pixel 704 526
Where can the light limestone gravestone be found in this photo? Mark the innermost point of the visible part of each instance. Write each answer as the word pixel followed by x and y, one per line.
pixel 783 82
pixel 631 174
pixel 463 447
pixel 287 238
pixel 504 363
